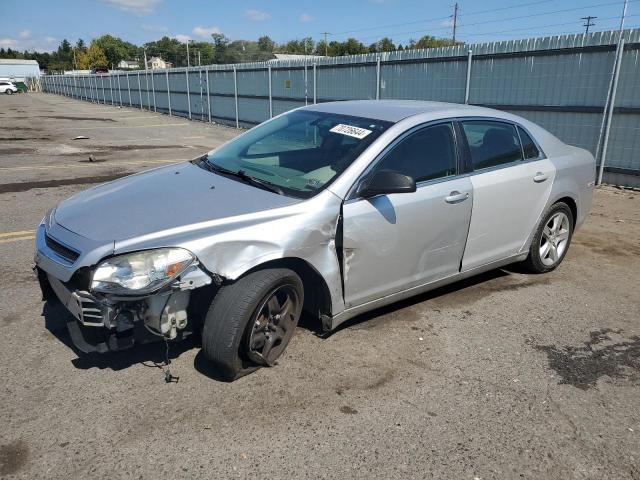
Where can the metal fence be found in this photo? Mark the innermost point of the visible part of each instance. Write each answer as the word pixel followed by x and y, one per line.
pixel 563 83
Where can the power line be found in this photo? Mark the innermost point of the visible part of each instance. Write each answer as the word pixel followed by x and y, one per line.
pixel 435 19
pixel 544 26
pixel 485 22
pixel 588 23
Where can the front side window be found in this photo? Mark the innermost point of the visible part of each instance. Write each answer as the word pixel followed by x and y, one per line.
pixel 426 154
pixel 492 143
pixel 301 152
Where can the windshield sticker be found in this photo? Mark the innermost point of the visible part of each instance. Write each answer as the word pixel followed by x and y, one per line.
pixel 355 132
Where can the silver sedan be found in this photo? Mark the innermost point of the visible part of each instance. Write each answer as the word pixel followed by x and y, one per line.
pixel 333 209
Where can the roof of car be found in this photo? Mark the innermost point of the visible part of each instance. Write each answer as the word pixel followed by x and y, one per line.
pixel 396 110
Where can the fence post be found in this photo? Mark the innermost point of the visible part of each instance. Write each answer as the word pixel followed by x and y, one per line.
pixel 306 83
pixel 146 80
pixel 467 85
pixel 378 78
pixel 75 87
pixel 139 90
pixel 104 95
pixel 129 90
pixel 186 72
pixel 201 94
pixel 206 72
pixel 609 114
pixel 168 91
pixel 119 90
pixel 315 92
pixel 235 89
pixel 270 94
pixel 111 87
pixel 153 88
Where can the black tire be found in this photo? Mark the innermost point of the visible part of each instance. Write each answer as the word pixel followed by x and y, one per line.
pixel 9 92
pixel 534 263
pixel 230 321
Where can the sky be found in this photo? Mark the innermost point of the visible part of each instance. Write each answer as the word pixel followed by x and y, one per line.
pixel 42 24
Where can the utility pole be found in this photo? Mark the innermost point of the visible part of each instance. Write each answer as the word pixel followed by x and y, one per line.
pixel 588 23
pixel 455 20
pixel 199 58
pixel 188 64
pixel 326 45
pixel 145 63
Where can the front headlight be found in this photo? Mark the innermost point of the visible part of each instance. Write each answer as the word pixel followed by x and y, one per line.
pixel 140 272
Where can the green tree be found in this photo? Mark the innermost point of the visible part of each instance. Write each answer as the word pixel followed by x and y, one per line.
pixel 351 46
pixel 265 44
pixel 115 49
pixel 220 45
pixel 429 41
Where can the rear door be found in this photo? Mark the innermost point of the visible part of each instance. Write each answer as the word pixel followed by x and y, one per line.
pixel 511 184
pixel 398 241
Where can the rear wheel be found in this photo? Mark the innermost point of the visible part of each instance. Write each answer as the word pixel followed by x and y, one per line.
pixel 250 322
pixel 551 239
pixel 9 91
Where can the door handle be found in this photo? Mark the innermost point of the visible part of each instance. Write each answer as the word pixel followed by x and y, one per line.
pixel 456 197
pixel 540 177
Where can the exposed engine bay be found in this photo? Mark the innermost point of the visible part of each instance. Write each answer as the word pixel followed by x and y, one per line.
pixel 105 322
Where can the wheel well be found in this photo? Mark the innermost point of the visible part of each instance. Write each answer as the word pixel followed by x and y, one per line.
pixel 572 206
pixel 317 299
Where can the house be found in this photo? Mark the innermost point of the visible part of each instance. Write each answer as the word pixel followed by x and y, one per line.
pixel 128 65
pixel 18 70
pixel 157 63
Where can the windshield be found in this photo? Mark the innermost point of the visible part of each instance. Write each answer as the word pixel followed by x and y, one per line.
pixel 299 153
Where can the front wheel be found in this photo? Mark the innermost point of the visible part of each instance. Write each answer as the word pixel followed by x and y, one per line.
pixel 251 321
pixel 9 92
pixel 551 239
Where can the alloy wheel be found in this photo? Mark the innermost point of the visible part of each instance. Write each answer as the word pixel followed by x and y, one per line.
pixel 273 325
pixel 554 239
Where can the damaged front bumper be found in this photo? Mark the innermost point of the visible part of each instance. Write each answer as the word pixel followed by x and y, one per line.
pixel 104 323
pixel 110 322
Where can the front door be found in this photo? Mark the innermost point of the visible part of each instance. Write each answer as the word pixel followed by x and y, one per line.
pixel 398 241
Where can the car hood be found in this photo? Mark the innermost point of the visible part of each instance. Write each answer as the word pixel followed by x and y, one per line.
pixel 161 199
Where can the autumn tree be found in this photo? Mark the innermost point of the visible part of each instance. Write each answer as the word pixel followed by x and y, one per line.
pixel 93 57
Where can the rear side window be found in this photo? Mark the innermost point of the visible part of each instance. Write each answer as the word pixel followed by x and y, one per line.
pixel 426 154
pixel 492 143
pixel 528 147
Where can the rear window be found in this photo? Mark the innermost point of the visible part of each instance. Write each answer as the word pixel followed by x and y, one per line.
pixel 492 143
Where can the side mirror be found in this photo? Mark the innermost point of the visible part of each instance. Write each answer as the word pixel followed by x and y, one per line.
pixel 384 182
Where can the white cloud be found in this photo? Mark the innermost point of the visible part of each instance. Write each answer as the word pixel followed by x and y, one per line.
pixel 182 38
pixel 24 34
pixel 205 32
pixel 154 28
pixel 50 40
pixel 257 15
pixel 447 23
pixel 139 7
pixel 8 43
pixel 305 17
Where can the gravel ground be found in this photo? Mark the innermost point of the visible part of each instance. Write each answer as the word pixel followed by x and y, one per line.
pixel 506 375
